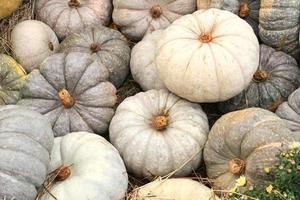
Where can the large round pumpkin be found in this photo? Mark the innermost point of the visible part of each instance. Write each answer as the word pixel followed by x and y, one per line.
pixel 244 143
pixel 73 92
pixel 156 133
pixel 26 140
pixel 85 166
pixel 12 77
pixel 199 58
pixel 7 7
pixel 137 18
pixel 107 46
pixel 33 41
pixel 69 16
pixel 278 75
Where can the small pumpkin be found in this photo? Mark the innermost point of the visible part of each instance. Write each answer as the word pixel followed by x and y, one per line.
pixel 244 143
pixel 277 77
pixel 7 7
pixel 12 77
pixel 109 47
pixel 156 133
pixel 142 62
pixel 26 140
pixel 137 18
pixel 33 41
pixel 199 58
pixel 69 16
pixel 73 92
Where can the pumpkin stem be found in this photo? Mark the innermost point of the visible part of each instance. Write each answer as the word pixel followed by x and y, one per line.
pixel 66 99
pixel 160 122
pixel 74 3
pixel 244 10
pixel 205 38
pixel 260 76
pixel 95 47
pixel 237 166
pixel 156 11
pixel 50 45
pixel 62 173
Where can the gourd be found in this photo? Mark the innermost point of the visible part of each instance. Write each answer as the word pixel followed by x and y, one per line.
pixel 12 77
pixel 137 18
pixel 73 92
pixel 86 166
pixel 7 7
pixel 200 59
pixel 142 62
pixel 277 77
pixel 156 133
pixel 26 140
pixel 244 143
pixel 69 16
pixel 33 41
pixel 109 47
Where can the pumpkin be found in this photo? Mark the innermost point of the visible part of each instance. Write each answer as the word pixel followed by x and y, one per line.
pixel 107 46
pixel 279 25
pixel 277 77
pixel 7 7
pixel 156 133
pixel 142 62
pixel 137 18
pixel 69 16
pixel 200 59
pixel 73 92
pixel 244 143
pixel 32 42
pixel 86 166
pixel 26 140
pixel 11 80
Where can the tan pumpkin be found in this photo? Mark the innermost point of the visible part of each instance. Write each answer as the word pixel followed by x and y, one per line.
pixel 7 7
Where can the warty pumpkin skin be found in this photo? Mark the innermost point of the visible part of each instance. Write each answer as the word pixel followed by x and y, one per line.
pixel 73 92
pixel 156 132
pixel 278 75
pixel 12 77
pixel 69 16
pixel 109 47
pixel 138 17
pixel 26 140
pixel 7 7
pixel 244 143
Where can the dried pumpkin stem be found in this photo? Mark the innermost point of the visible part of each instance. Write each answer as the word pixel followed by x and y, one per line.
pixel 244 10
pixel 62 173
pixel 66 99
pixel 74 3
pixel 50 45
pixel 237 166
pixel 156 11
pixel 205 38
pixel 260 76
pixel 160 122
pixel 95 47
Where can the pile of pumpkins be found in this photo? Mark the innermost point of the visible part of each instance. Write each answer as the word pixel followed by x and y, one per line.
pixel 58 94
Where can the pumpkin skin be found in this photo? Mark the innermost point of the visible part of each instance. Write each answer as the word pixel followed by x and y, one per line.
pixel 244 143
pixel 12 77
pixel 32 42
pixel 88 166
pixel 69 16
pixel 137 18
pixel 277 77
pixel 142 62
pixel 156 132
pixel 26 140
pixel 212 62
pixel 73 92
pixel 107 46
pixel 7 7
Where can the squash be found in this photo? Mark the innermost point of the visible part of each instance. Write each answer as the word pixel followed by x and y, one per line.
pixel 33 41
pixel 137 18
pixel 69 16
pixel 142 62
pixel 277 77
pixel 200 59
pixel 107 46
pixel 175 189
pixel 12 77
pixel 244 143
pixel 156 133
pixel 73 92
pixel 7 7
pixel 85 166
pixel 26 140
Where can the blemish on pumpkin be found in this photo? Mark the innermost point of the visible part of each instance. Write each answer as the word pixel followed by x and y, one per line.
pixel 205 38
pixel 260 76
pixel 50 45
pixel 156 11
pixel 160 122
pixel 62 173
pixel 66 99
pixel 95 47
pixel 237 166
pixel 74 4
pixel 244 10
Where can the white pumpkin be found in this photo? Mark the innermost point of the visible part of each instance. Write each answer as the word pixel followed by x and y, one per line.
pixel 142 65
pixel 156 133
pixel 33 41
pixel 208 56
pixel 87 167
pixel 136 18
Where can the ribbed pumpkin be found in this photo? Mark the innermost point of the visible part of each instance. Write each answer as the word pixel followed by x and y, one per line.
pixel 278 75
pixel 7 7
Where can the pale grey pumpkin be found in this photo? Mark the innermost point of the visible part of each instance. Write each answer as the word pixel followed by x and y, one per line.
pixel 73 92
pixel 26 140
pixel 109 47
